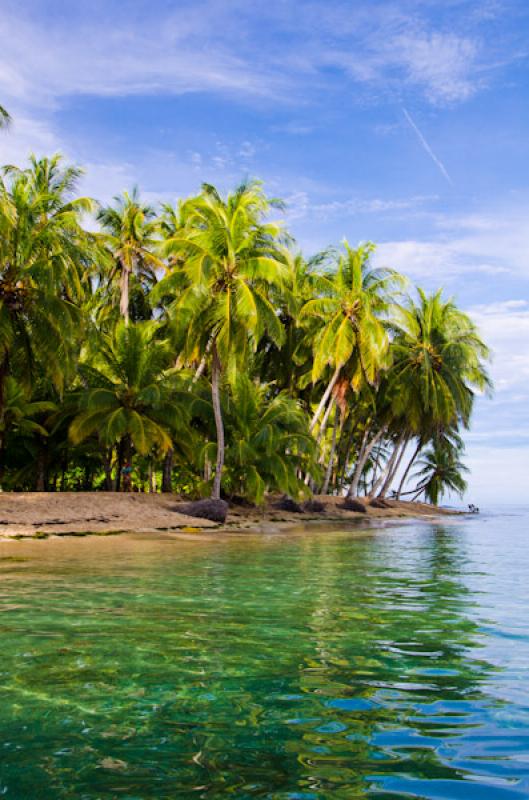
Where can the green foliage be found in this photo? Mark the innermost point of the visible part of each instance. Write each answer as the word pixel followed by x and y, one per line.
pixel 353 302
pixel 130 390
pixel 441 470
pixel 197 344
pixel 268 442
pixel 439 363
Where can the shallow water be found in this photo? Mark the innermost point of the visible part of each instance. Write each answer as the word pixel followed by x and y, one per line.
pixel 325 665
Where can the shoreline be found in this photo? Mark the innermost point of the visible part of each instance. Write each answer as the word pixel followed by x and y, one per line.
pixel 45 515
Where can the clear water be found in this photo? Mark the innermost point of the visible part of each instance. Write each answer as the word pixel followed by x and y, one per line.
pixel 328 664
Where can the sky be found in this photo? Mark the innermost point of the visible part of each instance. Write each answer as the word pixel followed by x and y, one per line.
pixel 405 123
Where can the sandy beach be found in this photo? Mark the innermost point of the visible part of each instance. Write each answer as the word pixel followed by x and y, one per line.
pixel 48 514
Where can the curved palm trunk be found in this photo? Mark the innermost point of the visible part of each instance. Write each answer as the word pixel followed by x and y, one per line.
pixel 328 472
pixel 203 361
pixel 407 470
pixel 364 454
pixel 325 421
pixel 387 473
pixel 219 425
pixel 393 471
pixel 321 432
pixel 324 399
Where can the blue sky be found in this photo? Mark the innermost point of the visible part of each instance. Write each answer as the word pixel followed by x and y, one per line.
pixel 404 122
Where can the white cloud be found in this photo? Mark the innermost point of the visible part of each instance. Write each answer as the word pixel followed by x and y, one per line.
pixel 221 47
pixel 28 135
pixel 100 55
pixel 444 64
pixel 505 328
pixel 492 243
pixel 300 205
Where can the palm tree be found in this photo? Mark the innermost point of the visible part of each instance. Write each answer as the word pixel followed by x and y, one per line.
pixel 131 397
pixel 289 365
pixel 229 259
pixel 441 470
pixel 439 363
pixel 268 441
pixel 21 413
pixel 44 254
pixel 353 304
pixel 130 233
pixel 5 119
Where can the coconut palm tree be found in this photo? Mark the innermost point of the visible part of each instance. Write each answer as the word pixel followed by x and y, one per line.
pixel 21 415
pixel 439 364
pixel 130 234
pixel 353 303
pixel 268 441
pixel 440 470
pixel 44 253
pixel 131 396
pixel 228 255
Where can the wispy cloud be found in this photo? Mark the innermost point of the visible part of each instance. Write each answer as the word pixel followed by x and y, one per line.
pixel 437 161
pixel 108 54
pixel 495 242
pixel 300 205
pixel 252 51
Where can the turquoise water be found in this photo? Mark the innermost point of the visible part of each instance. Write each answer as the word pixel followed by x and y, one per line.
pixel 330 664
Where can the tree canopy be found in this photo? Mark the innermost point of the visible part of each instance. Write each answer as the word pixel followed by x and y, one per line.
pixel 196 341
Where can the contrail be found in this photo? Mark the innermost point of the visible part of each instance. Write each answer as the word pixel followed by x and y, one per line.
pixel 428 149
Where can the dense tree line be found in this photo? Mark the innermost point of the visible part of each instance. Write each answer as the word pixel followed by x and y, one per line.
pixel 195 349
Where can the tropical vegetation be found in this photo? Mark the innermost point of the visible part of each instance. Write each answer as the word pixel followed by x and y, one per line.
pixel 194 349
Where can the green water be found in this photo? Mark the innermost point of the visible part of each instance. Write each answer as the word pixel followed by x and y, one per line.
pixel 323 665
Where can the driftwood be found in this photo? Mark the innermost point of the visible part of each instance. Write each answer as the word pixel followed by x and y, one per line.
pixel 314 506
pixel 350 504
pixel 287 504
pixel 214 510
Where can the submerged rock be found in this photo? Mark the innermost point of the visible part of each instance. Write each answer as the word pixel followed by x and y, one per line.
pixel 351 504
pixel 214 510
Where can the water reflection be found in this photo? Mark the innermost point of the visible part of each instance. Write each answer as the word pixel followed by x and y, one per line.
pixel 326 665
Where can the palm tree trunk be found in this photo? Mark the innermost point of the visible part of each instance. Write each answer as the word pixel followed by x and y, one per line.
pixel 393 471
pixel 325 420
pixel 124 293
pixel 407 470
pixel 328 473
pixel 167 471
pixel 324 399
pixel 388 470
pixel 41 470
pixel 342 465
pixel 216 369
pixel 364 454
pixel 323 426
pixel 119 467
pixel 376 468
pixel 107 466
pixel 152 478
pixel 203 361
pixel 126 483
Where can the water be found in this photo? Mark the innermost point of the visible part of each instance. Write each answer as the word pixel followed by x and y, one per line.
pixel 331 664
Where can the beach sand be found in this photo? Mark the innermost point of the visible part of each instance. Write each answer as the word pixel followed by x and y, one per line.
pixel 44 514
